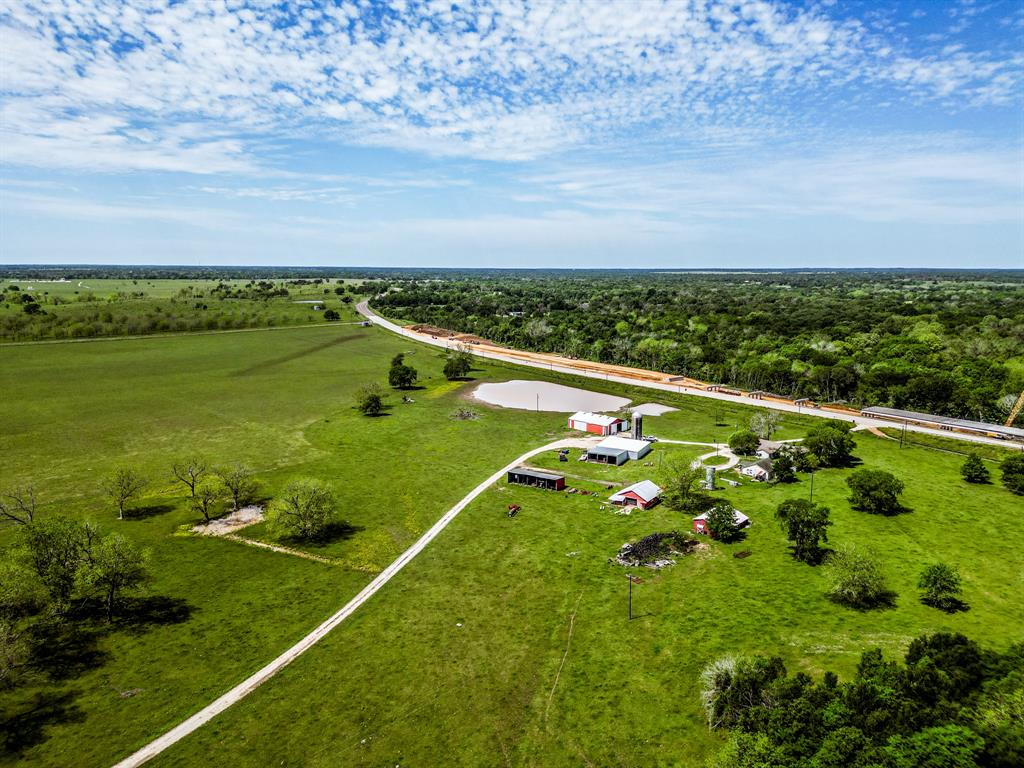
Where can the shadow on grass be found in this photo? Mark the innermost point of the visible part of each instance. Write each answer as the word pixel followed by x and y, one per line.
pixel 951 605
pixel 899 509
pixel 26 728
pixel 150 510
pixel 66 649
pixel 815 559
pixel 884 601
pixel 137 614
pixel 339 531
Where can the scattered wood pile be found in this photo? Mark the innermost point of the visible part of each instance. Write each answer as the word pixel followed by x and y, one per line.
pixel 656 550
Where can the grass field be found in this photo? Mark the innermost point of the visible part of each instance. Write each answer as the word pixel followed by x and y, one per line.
pixel 77 309
pixel 400 682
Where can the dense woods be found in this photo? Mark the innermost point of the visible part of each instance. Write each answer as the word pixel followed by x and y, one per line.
pixel 947 343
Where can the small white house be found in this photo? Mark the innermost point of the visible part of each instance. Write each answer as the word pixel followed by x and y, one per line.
pixel 760 470
pixel 596 423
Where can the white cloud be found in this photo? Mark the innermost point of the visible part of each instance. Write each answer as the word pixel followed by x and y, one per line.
pixel 194 86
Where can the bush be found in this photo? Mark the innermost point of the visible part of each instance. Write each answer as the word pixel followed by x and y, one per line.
pixel 305 510
pixel 721 523
pixel 831 443
pixel 332 314
pixel 1013 473
pixel 401 376
pixel 875 491
pixel 856 580
pixel 744 442
pixel 974 470
pixel 806 525
pixel 370 400
pixel 940 586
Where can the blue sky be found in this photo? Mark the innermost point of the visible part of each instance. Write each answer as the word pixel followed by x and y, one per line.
pixel 605 134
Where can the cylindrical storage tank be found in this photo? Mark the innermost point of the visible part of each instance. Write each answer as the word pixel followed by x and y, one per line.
pixel 638 427
pixel 709 478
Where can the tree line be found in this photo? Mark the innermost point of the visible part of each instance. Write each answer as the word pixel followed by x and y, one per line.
pixel 936 343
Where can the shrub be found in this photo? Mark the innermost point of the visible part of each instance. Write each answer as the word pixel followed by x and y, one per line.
pixel 875 491
pixel 744 442
pixel 721 523
pixel 806 525
pixel 940 586
pixel 974 470
pixel 1013 473
pixel 856 580
pixel 370 400
pixel 304 510
pixel 831 442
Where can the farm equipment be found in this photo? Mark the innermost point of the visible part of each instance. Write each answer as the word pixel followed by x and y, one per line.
pixel 513 509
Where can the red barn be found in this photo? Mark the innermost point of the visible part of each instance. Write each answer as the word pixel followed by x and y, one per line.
pixel 596 423
pixel 643 495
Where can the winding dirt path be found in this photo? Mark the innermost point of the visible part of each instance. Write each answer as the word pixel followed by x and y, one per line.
pixel 254 681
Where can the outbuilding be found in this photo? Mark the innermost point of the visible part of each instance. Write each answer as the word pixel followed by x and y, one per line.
pixel 760 470
pixel 635 449
pixel 700 522
pixel 597 423
pixel 644 494
pixel 536 479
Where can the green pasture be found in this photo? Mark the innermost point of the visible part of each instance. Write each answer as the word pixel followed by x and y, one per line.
pixel 400 682
pixel 93 308
pixel 403 683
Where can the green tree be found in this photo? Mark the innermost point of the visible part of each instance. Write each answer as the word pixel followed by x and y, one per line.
pixel 113 566
pixel 401 376
pixel 122 486
pixel 856 580
pixel 682 488
pixel 1013 473
pixel 875 491
pixel 240 483
pixel 974 469
pixel 190 472
pixel 744 442
pixel 946 746
pixel 18 505
pixel 764 424
pixel 785 464
pixel 205 499
pixel 831 443
pixel 304 510
pixel 457 366
pixel 721 523
pixel 53 548
pixel 331 315
pixel 370 400
pixel 940 586
pixel 806 526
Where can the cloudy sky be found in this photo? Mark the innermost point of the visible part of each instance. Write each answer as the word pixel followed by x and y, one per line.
pixel 606 134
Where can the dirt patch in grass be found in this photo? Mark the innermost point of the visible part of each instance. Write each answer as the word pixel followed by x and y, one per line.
pixel 222 526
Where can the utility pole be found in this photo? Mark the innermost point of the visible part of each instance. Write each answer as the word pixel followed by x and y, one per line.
pixel 629 578
pixel 812 486
pixel 903 433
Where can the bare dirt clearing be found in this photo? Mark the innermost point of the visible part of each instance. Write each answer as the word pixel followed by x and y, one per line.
pixel 545 396
pixel 652 409
pixel 222 526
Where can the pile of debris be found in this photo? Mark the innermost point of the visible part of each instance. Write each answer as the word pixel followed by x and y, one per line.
pixel 656 550
pixel 465 414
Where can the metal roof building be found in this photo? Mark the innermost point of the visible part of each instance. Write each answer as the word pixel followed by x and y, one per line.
pixel 944 422
pixel 536 478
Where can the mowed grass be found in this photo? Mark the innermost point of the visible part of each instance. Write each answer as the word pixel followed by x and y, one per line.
pixel 402 683
pixel 279 401
pixel 400 674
